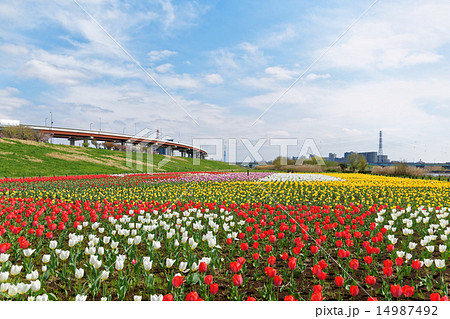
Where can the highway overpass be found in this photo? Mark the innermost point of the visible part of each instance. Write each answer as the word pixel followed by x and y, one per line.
pixel 124 139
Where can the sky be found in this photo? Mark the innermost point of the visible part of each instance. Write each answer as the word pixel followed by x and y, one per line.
pixel 336 72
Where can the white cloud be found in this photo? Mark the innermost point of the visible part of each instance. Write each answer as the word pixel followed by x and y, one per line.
pixel 156 55
pixel 9 101
pixel 280 73
pixel 163 68
pixel 214 78
pixel 394 35
pixel 51 74
pixel 313 76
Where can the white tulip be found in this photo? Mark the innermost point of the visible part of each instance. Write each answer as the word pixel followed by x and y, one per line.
pixel 4 276
pixel 106 240
pixel 79 273
pixel 23 288
pixel 400 254
pixel 31 298
pixel 104 275
pixel 137 240
pixel 119 264
pixel 44 268
pixel 45 258
pixel 53 244
pixel 156 297
pixel 101 251
pixel 156 245
pixel 35 286
pixel 64 254
pixel 194 266
pixel 137 298
pixel 430 248
pixel 4 258
pixel 104 299
pixel 80 298
pixel 43 297
pixel 412 246
pixel 151 237
pixel 130 241
pixel 32 276
pixel 12 290
pixel 97 264
pixel 15 270
pixel 428 262
pixel 444 237
pixel 408 256
pixel 148 265
pixel 440 263
pixel 442 248
pixel 4 286
pixel 169 262
pixel 28 252
pixel 182 266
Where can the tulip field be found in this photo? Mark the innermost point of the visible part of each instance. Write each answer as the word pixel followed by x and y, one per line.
pixel 224 236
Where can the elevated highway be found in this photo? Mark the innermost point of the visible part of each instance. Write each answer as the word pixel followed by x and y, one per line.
pixel 73 135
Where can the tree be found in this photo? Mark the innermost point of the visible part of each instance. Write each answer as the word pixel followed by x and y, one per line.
pixel 357 162
pixel 22 132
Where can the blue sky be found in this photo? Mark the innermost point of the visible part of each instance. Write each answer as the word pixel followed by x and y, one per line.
pixel 225 62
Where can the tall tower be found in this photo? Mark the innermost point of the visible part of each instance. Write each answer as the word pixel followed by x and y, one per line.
pixel 380 145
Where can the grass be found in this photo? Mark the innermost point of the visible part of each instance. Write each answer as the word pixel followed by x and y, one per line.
pixel 19 158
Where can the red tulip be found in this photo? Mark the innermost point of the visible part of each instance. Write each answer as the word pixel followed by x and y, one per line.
pixel 192 296
pixel 284 256
pixel 241 260
pixel 255 256
pixel 396 290
pixel 316 297
pixel 354 264
pixel 371 280
pixel 372 299
pixel 271 272
pixel 399 261
pixel 208 279
pixel 244 246
pixel 271 260
pixel 235 266
pixel 388 263
pixel 289 298
pixel 177 281
pixel 314 249
pixel 251 299
pixel 213 288
pixel 354 290
pixel 202 267
pixel 322 264
pixel 416 264
pixel 317 288
pixel 255 245
pixel 444 298
pixel 408 291
pixel 168 297
pixel 277 280
pixel 339 281
pixel 322 276
pixel 390 247
pixel 435 296
pixel 292 263
pixel 268 248
pixel 388 271
pixel 368 260
pixel 316 270
pixel 237 280
pixel 229 241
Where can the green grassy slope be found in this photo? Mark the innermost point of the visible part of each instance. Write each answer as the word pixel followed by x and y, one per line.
pixel 26 158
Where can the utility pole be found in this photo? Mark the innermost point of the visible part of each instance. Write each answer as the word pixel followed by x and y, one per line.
pixel 51 127
pixel 100 123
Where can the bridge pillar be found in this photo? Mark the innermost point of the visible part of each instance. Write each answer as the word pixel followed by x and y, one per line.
pixel 72 141
pixel 170 151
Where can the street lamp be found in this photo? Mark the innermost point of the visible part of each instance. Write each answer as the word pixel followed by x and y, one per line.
pixel 51 126
pixel 100 123
pixel 90 126
pixel 123 132
pixel 46 121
